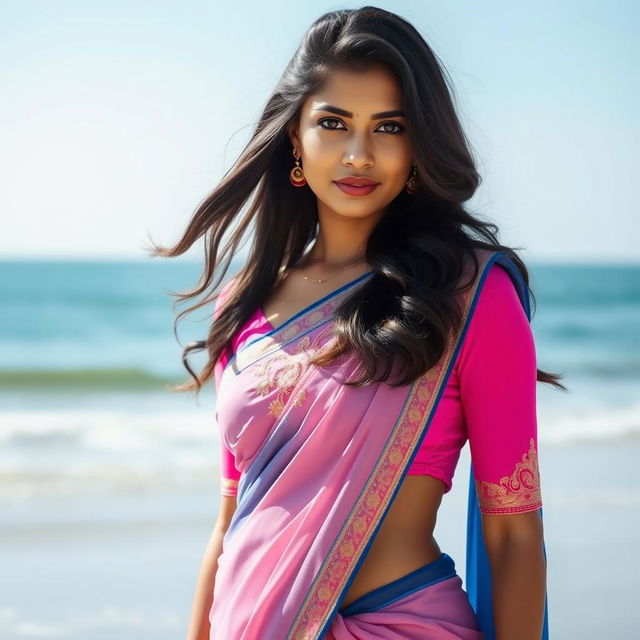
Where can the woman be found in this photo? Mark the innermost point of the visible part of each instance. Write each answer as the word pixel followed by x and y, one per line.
pixel 375 328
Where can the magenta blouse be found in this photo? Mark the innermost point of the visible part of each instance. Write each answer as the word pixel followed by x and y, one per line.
pixel 489 399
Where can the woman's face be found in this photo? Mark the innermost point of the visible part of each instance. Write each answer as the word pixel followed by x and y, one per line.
pixel 360 140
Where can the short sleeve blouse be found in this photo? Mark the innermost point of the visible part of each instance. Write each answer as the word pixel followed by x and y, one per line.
pixel 489 399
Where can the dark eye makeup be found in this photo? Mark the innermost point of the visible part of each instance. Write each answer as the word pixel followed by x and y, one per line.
pixel 400 127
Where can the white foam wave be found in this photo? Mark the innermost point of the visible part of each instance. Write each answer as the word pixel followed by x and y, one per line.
pixel 104 428
pixel 14 623
pixel 92 450
pixel 592 423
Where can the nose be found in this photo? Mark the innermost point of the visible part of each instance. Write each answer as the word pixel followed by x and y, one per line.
pixel 357 153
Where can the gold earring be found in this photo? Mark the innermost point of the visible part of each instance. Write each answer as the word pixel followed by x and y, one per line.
pixel 296 176
pixel 412 183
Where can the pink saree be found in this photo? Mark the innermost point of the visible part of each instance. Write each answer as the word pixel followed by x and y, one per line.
pixel 321 464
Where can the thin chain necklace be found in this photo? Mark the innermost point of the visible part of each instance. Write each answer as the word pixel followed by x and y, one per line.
pixel 333 276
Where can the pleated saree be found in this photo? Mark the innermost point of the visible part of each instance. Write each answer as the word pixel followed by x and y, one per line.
pixel 321 464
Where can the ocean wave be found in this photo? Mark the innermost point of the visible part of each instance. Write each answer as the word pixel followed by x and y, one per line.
pixel 15 623
pixel 129 379
pixel 74 450
pixel 594 423
pixel 104 429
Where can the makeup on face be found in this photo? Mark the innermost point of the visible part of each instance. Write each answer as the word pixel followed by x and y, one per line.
pixel 354 131
pixel 360 185
pixel 394 113
pixel 355 186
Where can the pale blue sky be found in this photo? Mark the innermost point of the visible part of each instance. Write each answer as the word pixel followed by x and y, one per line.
pixel 117 118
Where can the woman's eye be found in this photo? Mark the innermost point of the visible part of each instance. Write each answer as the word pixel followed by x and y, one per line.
pixel 399 127
pixel 321 122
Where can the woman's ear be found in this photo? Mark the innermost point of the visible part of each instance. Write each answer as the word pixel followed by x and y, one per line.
pixel 292 132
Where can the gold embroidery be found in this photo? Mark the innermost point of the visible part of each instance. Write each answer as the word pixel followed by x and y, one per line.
pixel 516 493
pixel 283 371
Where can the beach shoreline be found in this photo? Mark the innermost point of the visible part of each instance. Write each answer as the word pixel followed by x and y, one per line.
pixel 124 563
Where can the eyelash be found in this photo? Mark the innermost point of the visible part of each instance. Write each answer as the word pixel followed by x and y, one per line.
pixel 397 124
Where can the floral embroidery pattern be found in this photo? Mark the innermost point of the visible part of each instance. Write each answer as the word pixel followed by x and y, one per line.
pixel 283 371
pixel 516 493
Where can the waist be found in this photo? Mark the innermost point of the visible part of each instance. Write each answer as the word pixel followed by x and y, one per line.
pixel 404 547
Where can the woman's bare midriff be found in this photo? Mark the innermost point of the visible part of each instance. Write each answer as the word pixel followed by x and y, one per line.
pixel 404 542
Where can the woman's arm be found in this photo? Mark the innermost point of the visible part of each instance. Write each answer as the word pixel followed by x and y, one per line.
pixel 519 573
pixel 199 627
pixel 203 598
pixel 497 373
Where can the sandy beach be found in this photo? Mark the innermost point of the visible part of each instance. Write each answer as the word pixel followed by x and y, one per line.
pixel 123 564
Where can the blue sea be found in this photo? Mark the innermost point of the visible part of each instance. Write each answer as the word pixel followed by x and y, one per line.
pixel 108 481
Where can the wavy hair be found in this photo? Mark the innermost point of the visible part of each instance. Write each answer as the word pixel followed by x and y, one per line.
pixel 407 309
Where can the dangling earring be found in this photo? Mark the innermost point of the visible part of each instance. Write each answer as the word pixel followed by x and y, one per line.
pixel 412 183
pixel 296 176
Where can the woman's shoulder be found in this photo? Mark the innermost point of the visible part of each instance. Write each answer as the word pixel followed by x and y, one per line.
pixel 228 286
pixel 225 291
pixel 497 301
pixel 494 281
pixel 499 330
pixel 498 290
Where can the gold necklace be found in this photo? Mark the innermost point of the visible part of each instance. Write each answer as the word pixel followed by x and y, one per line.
pixel 333 276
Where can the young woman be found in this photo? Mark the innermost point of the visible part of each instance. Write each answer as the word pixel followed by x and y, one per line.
pixel 376 326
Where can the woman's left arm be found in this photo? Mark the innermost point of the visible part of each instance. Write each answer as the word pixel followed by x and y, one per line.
pixel 514 545
pixel 497 374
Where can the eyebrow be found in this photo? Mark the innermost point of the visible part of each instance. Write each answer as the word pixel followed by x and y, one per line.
pixel 348 114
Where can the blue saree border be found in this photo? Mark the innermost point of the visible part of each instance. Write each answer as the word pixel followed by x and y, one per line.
pixel 478 578
pixel 440 569
pixel 274 331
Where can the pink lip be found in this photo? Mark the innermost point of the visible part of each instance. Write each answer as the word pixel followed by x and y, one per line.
pixel 353 190
pixel 357 181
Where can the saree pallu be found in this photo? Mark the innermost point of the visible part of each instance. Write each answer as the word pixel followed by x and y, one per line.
pixel 321 464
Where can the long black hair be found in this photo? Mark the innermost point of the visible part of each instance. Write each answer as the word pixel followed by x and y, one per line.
pixel 406 310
